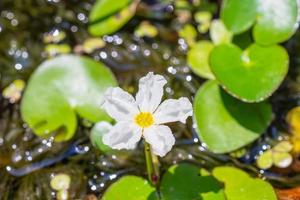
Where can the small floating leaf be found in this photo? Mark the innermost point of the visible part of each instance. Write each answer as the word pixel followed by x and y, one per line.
pixel 60 182
pixel 54 36
pixel 226 124
pixel 219 33
pixel 108 16
pixel 251 75
pixel 62 195
pixel 60 89
pixel 97 133
pixel 282 159
pixel 279 156
pixel 129 187
pixel 265 160
pixel 14 91
pixel 198 57
pixel 146 29
pixel 189 34
pixel 185 181
pixel 239 185
pixel 55 49
pixel 293 120
pixel 203 18
pixel 91 44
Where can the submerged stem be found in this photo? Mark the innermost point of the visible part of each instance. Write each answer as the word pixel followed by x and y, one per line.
pixel 152 165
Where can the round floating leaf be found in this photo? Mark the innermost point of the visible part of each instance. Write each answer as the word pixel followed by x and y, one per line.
pixel 188 33
pixel 293 120
pixel 238 15
pixel 186 181
pixel 13 92
pixel 278 155
pixel 198 57
pixel 203 18
pixel 283 146
pixel 219 33
pixel 226 124
pixel 129 187
pixel 97 133
pixel 60 182
pixel 239 185
pixel 146 29
pixel 265 160
pixel 251 75
pixel 91 44
pixel 276 21
pixel 282 159
pixel 61 88
pixel 108 16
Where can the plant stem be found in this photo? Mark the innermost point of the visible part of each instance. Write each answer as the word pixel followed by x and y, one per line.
pixel 152 165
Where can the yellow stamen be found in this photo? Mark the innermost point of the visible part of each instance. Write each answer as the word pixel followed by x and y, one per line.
pixel 144 119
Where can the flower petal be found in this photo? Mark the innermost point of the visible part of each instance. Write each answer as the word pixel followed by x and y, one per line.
pixel 173 110
pixel 119 104
pixel 123 135
pixel 160 138
pixel 150 92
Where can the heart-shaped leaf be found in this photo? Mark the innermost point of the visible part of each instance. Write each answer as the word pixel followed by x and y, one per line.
pixel 186 181
pixel 238 15
pixel 61 88
pixel 129 187
pixel 224 123
pixel 276 21
pixel 251 75
pixel 108 16
pixel 239 185
pixel 198 59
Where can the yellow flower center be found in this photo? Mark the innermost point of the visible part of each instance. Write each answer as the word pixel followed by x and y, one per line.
pixel 144 119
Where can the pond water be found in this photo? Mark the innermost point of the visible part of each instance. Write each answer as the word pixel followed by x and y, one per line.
pixel 27 162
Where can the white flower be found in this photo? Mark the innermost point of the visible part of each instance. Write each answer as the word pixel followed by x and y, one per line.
pixel 142 116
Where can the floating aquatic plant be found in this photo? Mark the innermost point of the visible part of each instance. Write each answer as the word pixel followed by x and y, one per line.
pixel 279 156
pixel 62 88
pixel 13 92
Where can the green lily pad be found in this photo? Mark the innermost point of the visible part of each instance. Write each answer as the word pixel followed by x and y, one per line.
pixel 146 29
pixel 129 187
pixel 226 124
pixel 239 185
pixel 251 75
pixel 198 59
pixel 238 15
pixel 219 33
pixel 108 16
pixel 185 181
pixel 97 133
pixel 279 156
pixel 188 33
pixel 274 21
pixel 60 89
pixel 203 18
pixel 265 160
